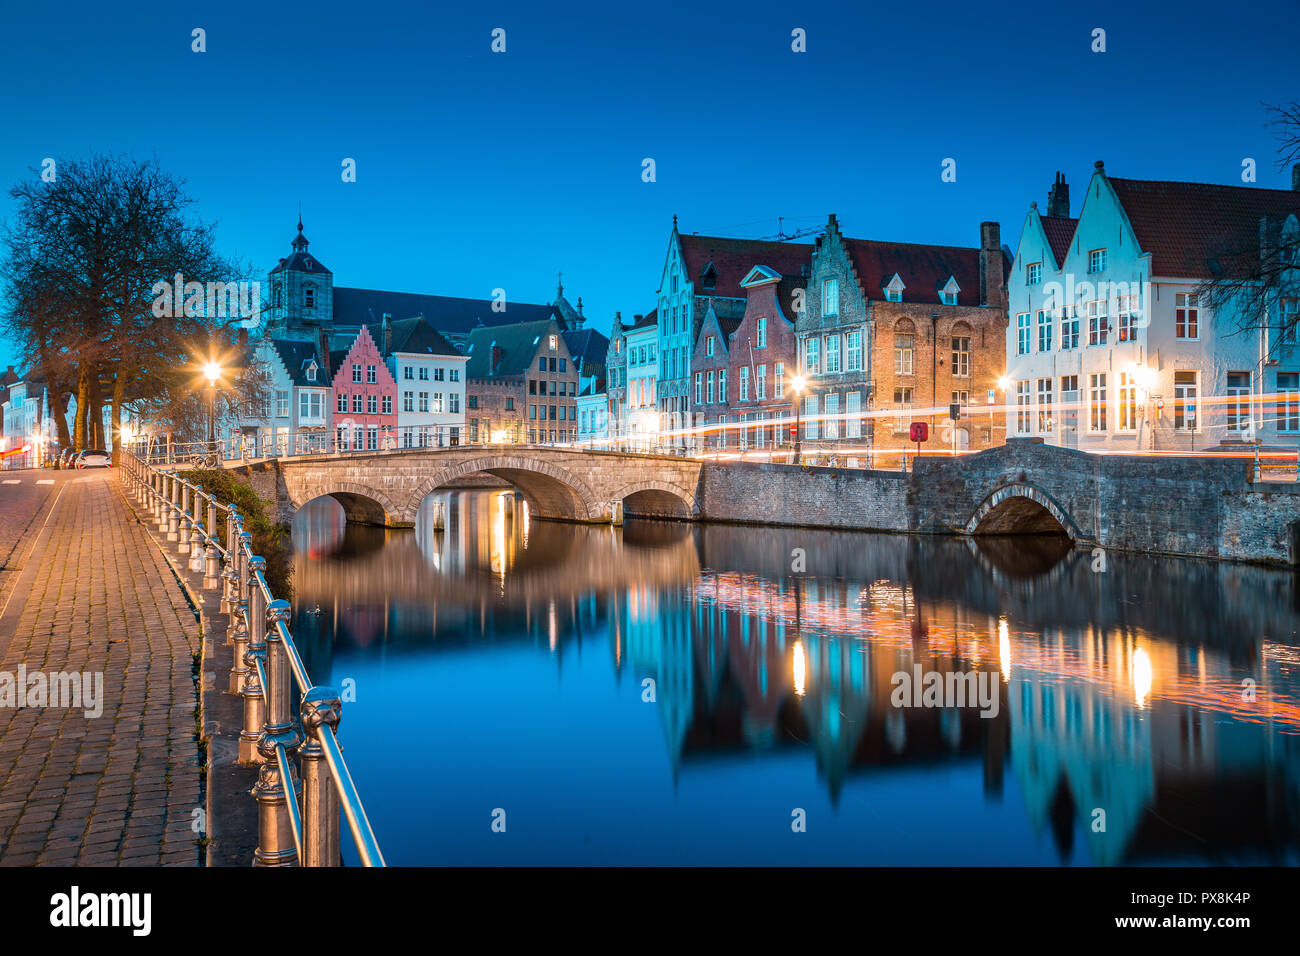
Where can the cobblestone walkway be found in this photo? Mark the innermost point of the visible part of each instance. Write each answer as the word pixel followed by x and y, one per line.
pixel 84 589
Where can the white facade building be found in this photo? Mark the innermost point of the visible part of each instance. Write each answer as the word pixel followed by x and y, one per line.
pixel 593 416
pixel 642 418
pixel 430 376
pixel 1109 346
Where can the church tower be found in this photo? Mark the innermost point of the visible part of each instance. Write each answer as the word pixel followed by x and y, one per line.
pixel 302 294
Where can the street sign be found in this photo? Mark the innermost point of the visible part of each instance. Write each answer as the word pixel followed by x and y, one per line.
pixel 919 432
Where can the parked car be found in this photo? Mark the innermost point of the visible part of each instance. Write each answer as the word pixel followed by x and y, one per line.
pixel 65 458
pixel 94 458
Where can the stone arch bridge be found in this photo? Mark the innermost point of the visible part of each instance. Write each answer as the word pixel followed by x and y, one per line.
pixel 387 488
pixel 1205 506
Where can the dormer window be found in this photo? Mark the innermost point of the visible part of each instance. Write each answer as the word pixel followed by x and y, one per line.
pixel 948 294
pixel 311 371
pixel 894 289
pixel 709 277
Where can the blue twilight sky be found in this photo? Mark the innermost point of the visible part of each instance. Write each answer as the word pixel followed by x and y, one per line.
pixel 477 170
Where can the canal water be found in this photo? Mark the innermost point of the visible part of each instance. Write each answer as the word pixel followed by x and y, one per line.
pixel 529 692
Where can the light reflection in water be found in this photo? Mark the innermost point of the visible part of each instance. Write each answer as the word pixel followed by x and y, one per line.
pixel 525 650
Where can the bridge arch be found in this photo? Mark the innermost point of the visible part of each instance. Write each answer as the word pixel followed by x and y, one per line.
pixel 551 491
pixel 656 499
pixel 1020 508
pixel 361 504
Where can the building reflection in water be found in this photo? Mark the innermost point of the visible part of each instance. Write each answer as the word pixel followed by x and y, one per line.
pixel 1123 696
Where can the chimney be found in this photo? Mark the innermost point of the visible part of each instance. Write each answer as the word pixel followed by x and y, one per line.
pixel 388 334
pixel 1058 198
pixel 325 355
pixel 581 319
pixel 992 279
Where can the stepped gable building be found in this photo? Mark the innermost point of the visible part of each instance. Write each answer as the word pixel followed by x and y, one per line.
pixel 616 367
pixel 365 397
pixel 522 384
pixel 761 359
pixel 904 329
pixel 1112 344
pixel 699 273
pixel 711 364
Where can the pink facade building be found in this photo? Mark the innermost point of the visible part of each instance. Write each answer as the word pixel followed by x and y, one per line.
pixel 365 397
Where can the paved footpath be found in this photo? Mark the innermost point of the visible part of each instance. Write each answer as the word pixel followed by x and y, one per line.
pixel 83 588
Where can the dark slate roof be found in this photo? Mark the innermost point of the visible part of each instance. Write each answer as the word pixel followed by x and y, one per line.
pixel 732 259
pixel 302 262
pixel 414 335
pixel 1060 233
pixel 519 344
pixel 587 346
pixel 295 355
pixel 924 269
pixel 647 320
pixel 1185 225
pixel 449 315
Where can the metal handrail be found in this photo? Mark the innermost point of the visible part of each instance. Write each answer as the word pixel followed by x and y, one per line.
pixel 296 824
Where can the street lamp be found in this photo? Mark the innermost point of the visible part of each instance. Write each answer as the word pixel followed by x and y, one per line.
pixel 798 383
pixel 213 372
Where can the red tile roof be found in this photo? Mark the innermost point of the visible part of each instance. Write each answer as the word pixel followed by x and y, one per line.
pixel 923 269
pixel 733 258
pixel 1184 225
pixel 1060 233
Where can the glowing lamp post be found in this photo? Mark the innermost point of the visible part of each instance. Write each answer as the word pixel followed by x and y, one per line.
pixel 798 383
pixel 213 372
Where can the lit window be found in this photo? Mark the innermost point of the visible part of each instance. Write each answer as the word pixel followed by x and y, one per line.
pixel 1187 312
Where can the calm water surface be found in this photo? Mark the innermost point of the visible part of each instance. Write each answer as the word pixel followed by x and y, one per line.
pixel 505 664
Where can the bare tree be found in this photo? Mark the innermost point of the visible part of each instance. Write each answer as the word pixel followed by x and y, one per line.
pixel 88 260
pixel 1255 266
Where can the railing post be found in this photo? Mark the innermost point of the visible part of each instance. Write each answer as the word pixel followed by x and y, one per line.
pixel 161 502
pixel 185 523
pixel 211 562
pixel 173 524
pixel 321 710
pixel 275 842
pixel 254 694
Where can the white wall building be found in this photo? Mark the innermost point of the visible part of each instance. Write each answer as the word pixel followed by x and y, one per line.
pixel 1109 346
pixel 430 377
pixel 642 344
pixel 593 416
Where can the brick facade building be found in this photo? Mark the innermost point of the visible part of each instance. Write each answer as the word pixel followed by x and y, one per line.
pixel 522 385
pixel 894 333
pixel 702 273
pixel 744 376
pixel 365 397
